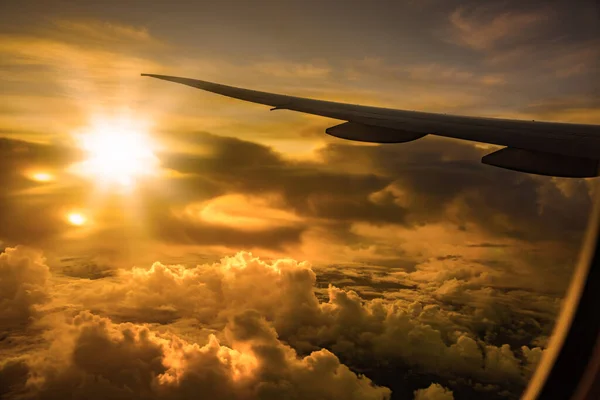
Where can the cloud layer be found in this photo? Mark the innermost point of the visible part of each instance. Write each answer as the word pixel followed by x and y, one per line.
pixel 96 358
pixel 245 328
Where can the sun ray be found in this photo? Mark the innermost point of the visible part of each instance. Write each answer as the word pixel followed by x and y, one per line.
pixel 119 152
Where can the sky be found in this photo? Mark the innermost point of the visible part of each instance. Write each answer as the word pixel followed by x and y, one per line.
pixel 159 242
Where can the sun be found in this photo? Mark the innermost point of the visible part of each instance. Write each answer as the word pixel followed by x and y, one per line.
pixel 76 219
pixel 119 152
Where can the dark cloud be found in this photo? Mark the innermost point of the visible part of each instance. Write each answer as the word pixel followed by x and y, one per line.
pixel 433 174
pixel 248 167
pixel 436 173
pixel 18 156
pixel 13 375
pixel 28 217
pixel 309 189
pixel 84 267
pixel 494 245
pixel 185 232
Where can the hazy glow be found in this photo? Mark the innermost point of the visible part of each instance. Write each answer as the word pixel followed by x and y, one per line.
pixel 77 219
pixel 119 152
pixel 41 176
pixel 241 212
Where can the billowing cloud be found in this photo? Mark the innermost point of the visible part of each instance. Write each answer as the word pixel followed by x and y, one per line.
pixel 434 392
pixel 95 355
pixel 23 284
pixel 92 357
pixel 441 326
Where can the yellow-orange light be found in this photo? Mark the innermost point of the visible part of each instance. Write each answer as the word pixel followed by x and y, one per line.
pixel 77 219
pixel 42 177
pixel 119 151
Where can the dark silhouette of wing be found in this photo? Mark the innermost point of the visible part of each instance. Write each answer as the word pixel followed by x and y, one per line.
pixel 545 148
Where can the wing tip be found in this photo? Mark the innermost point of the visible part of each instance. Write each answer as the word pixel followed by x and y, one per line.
pixel 158 76
pixel 165 77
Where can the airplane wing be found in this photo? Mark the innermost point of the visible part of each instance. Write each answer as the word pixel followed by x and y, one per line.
pixel 544 148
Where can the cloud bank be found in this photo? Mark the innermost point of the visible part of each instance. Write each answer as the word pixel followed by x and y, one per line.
pixel 246 328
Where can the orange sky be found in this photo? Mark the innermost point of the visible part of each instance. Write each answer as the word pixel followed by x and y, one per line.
pixel 72 69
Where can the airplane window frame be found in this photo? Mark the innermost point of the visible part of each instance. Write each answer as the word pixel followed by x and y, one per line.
pixel 571 367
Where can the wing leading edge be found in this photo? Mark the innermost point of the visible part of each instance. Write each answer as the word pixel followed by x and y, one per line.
pixel 545 148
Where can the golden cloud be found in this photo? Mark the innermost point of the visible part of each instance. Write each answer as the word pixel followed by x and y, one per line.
pixel 434 392
pixel 240 212
pixel 23 284
pixel 92 356
pixel 243 310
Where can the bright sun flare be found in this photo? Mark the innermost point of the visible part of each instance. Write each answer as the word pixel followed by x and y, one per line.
pixel 77 219
pixel 119 152
pixel 41 176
